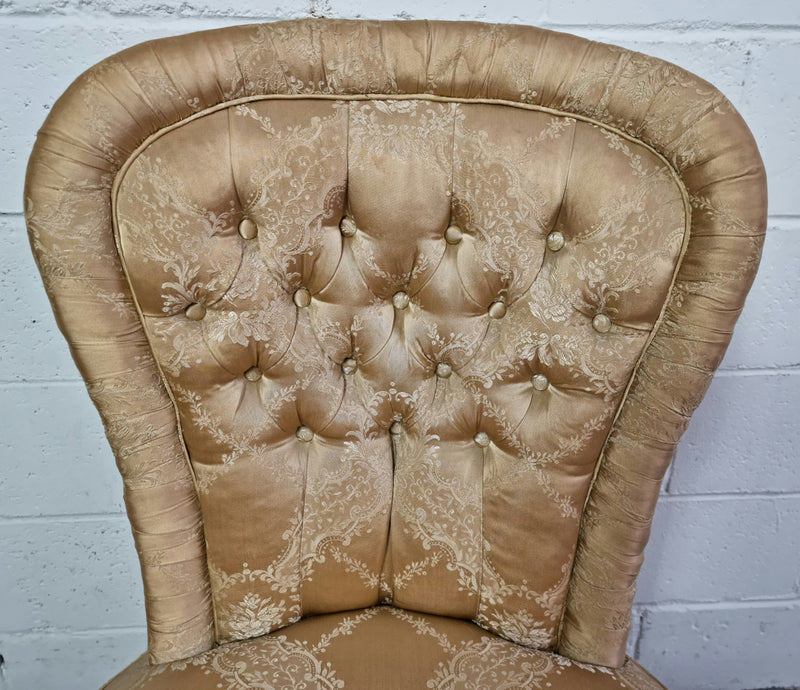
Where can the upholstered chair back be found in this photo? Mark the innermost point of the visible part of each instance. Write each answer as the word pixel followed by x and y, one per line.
pixel 408 314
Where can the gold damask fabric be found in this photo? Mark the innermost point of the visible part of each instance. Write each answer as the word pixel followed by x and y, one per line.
pixel 409 312
pixel 393 437
pixel 380 648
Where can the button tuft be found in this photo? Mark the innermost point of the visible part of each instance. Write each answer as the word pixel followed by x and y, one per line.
pixel 253 374
pixel 248 229
pixel 349 365
pixel 400 300
pixel 304 434
pixel 555 241
pixel 302 297
pixel 497 309
pixel 601 323
pixel 196 311
pixel 396 428
pixel 347 226
pixel 453 234
pixel 540 382
pixel 443 370
pixel 482 439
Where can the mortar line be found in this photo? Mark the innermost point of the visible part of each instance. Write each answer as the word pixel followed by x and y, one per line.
pixel 679 606
pixel 787 370
pixel 674 27
pixel 57 630
pixel 680 27
pixel 61 517
pixel 31 383
pixel 728 496
pixel 98 17
pixel 782 216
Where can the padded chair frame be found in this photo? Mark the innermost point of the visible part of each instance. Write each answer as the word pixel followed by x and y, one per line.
pixel 113 110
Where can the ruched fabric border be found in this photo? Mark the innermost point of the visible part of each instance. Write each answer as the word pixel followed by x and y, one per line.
pixel 111 109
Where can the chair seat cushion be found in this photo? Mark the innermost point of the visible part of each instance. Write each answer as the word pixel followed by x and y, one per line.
pixel 379 647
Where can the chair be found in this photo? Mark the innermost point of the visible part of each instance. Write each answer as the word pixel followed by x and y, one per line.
pixel 394 328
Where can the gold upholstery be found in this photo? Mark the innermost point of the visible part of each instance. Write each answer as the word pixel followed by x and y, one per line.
pixel 400 319
pixel 380 647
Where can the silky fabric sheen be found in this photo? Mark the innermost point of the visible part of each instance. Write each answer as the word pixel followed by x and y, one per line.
pixel 376 648
pixel 345 514
pixel 156 143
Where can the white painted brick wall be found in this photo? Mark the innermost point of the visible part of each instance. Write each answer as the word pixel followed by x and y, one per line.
pixel 718 606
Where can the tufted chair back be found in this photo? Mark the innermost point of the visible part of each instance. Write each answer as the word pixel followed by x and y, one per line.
pixel 404 314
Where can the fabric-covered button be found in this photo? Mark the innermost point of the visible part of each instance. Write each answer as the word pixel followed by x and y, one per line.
pixel 497 309
pixel 349 365
pixel 400 300
pixel 248 229
pixel 555 241
pixel 302 297
pixel 601 323
pixel 396 428
pixel 347 226
pixel 304 434
pixel 253 374
pixel 453 234
pixel 540 382
pixel 196 311
pixel 482 439
pixel 443 370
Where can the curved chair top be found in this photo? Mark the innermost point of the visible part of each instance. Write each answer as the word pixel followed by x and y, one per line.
pixel 114 108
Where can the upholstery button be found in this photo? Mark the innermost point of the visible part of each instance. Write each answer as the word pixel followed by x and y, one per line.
pixel 400 300
pixel 195 311
pixel 482 439
pixel 453 235
pixel 555 241
pixel 396 428
pixel 248 229
pixel 302 297
pixel 349 365
pixel 304 434
pixel 497 309
pixel 540 382
pixel 347 226
pixel 601 323
pixel 253 374
pixel 443 370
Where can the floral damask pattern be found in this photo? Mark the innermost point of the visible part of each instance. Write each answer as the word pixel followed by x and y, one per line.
pixel 595 110
pixel 342 508
pixel 419 651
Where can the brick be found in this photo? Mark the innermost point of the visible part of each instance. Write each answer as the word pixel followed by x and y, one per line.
pixel 734 446
pixel 251 9
pixel 681 12
pixel 56 457
pixel 62 573
pixel 718 648
pixel 766 334
pixel 506 10
pixel 770 107
pixel 33 347
pixel 565 12
pixel 722 549
pixel 68 660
